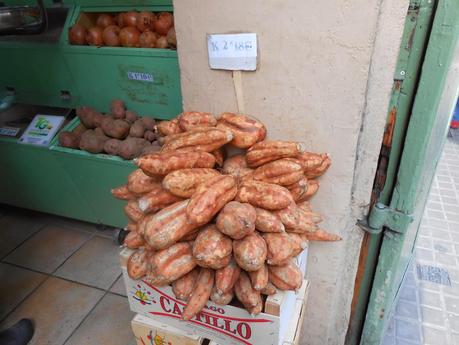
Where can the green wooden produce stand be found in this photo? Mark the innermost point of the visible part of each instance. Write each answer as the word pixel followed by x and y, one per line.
pixel 68 182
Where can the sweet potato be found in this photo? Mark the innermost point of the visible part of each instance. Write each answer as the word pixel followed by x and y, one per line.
pixel 132 211
pixel 268 151
pixel 320 235
pixel 246 131
pixel 286 277
pixel 219 156
pixel 148 149
pixel 264 195
pixel 298 189
pixel 118 109
pixel 137 264
pixel 314 164
pixel 250 252
pixel 89 117
pixel 305 206
pixel 200 294
pixel 184 182
pixel 112 146
pixel 149 135
pixel 69 139
pixel 92 142
pixel 156 199
pixel 137 129
pixel 246 294
pixel 123 193
pixel 132 147
pixel 313 187
pixel 132 226
pixel 168 127
pixel 226 277
pixel 183 287
pixel 133 240
pixel 283 172
pixel 236 220
pixel 280 246
pixel 140 183
pixel 172 263
pixel 149 123
pixel 296 220
pixel 221 299
pixel 269 289
pixel 115 128
pixel 212 249
pixel 131 116
pixel 209 198
pixel 163 163
pixel 234 164
pixel 300 243
pixel 259 278
pixel 203 139
pixel 267 221
pixel 190 120
pixel 168 226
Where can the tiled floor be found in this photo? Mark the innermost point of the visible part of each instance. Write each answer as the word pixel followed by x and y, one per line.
pixel 64 275
pixel 428 308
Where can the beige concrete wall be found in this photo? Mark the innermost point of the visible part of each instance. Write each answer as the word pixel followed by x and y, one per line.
pixel 324 78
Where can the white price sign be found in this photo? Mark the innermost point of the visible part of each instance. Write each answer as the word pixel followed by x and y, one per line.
pixel 234 52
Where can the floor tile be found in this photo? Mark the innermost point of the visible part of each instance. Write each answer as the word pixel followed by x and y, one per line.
pixel 96 263
pixel 434 336
pixel 119 287
pixel 71 223
pixel 16 284
pixel 57 308
pixel 15 229
pixel 407 330
pixel 433 317
pixel 430 299
pixel 108 323
pixel 407 310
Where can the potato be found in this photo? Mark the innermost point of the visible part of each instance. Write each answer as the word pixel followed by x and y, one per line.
pixel 117 129
pixel 149 135
pixel 137 129
pixel 112 146
pixel 92 142
pixel 89 117
pixel 148 122
pixel 79 130
pixel 131 116
pixel 131 147
pixel 69 139
pixel 118 109
pixel 153 148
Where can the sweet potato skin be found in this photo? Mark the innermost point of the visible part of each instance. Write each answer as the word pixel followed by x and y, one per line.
pixel 268 151
pixel 236 219
pixel 190 120
pixel 246 294
pixel 183 287
pixel 226 277
pixel 264 195
pixel 267 221
pixel 200 294
pixel 212 249
pixel 137 264
pixel 250 252
pixel 286 277
pixel 184 182
pixel 246 130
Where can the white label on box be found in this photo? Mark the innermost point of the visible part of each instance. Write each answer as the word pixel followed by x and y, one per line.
pixel 140 76
pixel 41 130
pixel 234 52
pixel 9 131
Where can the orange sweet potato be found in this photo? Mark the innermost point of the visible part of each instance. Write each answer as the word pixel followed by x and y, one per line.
pixel 296 220
pixel 190 120
pixel 200 294
pixel 286 277
pixel 168 127
pixel 210 197
pixel 132 211
pixel 280 247
pixel 137 264
pixel 184 182
pixel 219 156
pixel 222 299
pixel 156 199
pixel 163 163
pixel 132 226
pixel 314 164
pixel 264 195
pixel 268 222
pixel 269 289
pixel 313 187
pixel 183 287
pixel 233 165
pixel 283 172
pixel 203 139
pixel 246 294
pixel 123 193
pixel 236 220
pixel 250 252
pixel 298 189
pixel 172 263
pixel 167 226
pixel 300 242
pixel 259 278
pixel 305 206
pixel 226 277
pixel 268 151
pixel 247 131
pixel 140 183
pixel 133 240
pixel 212 249
pixel 320 235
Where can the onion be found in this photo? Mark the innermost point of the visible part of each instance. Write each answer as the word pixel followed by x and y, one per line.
pixel 129 37
pixel 171 38
pixel 94 36
pixel 128 19
pixel 148 39
pixel 77 34
pixel 162 42
pixel 164 22
pixel 110 36
pixel 105 20
pixel 145 20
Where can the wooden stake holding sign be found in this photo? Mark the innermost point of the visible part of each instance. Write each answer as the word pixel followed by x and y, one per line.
pixel 236 53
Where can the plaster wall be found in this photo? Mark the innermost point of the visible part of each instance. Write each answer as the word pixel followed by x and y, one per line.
pixel 324 78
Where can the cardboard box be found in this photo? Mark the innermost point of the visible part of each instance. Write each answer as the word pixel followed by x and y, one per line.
pixel 152 332
pixel 226 325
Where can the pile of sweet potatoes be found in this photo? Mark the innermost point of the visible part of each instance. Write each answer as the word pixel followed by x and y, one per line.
pixel 122 132
pixel 218 227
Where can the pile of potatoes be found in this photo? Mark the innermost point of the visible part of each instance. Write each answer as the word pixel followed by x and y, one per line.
pixel 122 132
pixel 216 227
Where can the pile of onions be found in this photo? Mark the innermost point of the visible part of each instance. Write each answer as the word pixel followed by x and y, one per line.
pixel 77 34
pixel 129 36
pixel 164 22
pixel 148 39
pixel 94 36
pixel 105 20
pixel 110 36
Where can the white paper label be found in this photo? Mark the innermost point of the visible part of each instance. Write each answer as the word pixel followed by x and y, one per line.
pixel 140 76
pixel 234 52
pixel 9 131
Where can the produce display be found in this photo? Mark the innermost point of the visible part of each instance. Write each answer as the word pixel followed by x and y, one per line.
pixel 122 132
pixel 126 29
pixel 219 232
